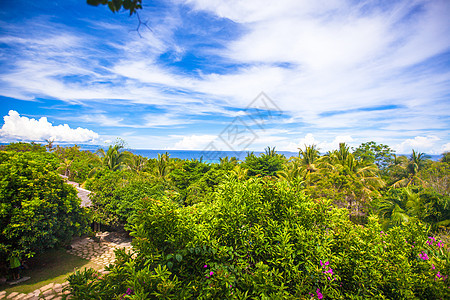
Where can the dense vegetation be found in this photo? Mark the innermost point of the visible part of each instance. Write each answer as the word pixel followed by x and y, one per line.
pixel 37 209
pixel 348 224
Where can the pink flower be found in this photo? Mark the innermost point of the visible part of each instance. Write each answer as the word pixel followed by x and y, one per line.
pixel 433 267
pixel 319 294
pixel 211 273
pixel 424 256
pixel 205 266
pixel 324 264
pixel 129 292
pixel 440 244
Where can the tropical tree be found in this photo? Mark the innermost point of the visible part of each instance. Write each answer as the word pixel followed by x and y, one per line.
pixel 270 151
pixel 239 172
pixel 308 160
pixel 416 162
pixel 116 5
pixel 345 163
pixel 267 164
pixel 436 175
pixel 399 207
pixel 445 157
pixel 113 159
pixel 49 144
pixel 65 166
pixel 162 165
pixel 350 180
pixel 403 205
pixel 23 147
pixel 373 153
pixel 37 209
pixel 226 163
pixel 399 160
pixel 290 172
pixel 76 164
pixel 137 163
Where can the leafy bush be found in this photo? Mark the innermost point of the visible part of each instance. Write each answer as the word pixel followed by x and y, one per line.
pixel 263 165
pixel 37 209
pixel 263 239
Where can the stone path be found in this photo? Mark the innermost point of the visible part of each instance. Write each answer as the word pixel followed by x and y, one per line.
pixel 50 291
pixel 101 253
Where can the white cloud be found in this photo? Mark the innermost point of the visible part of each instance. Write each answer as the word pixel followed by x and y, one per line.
pixel 426 144
pixel 323 146
pixel 23 128
pixel 310 57
pixel 193 142
pixel 446 148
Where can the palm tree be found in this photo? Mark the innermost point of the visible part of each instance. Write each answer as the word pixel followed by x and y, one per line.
pixel 412 168
pixel 308 159
pixel 270 152
pixel 402 208
pixel 362 179
pixel 162 165
pixel 343 154
pixel 113 159
pixel 65 165
pixel 50 144
pixel 240 172
pixel 393 210
pixel 291 171
pixel 399 160
pixel 137 163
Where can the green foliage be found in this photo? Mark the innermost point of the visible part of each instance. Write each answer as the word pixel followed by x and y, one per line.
pixel 37 209
pixel 373 153
pixel 404 205
pixel 262 239
pixel 436 176
pixel 104 185
pixel 114 159
pixel 267 164
pixel 75 164
pixel 24 147
pixel 162 166
pixel 231 230
pixel 117 5
pixel 411 169
pixel 194 180
pixel 308 159
pixel 446 157
pixel 349 182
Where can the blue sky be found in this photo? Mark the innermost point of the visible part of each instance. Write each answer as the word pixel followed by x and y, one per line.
pixel 332 71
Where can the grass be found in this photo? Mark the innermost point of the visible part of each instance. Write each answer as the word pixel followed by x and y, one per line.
pixel 51 266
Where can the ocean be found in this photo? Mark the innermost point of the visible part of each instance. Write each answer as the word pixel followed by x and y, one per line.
pixel 214 156
pixel 206 156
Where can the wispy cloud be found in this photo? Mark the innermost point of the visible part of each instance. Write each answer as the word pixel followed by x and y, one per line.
pixel 336 68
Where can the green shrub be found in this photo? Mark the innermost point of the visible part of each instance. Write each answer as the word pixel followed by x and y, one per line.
pixel 262 239
pixel 37 209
